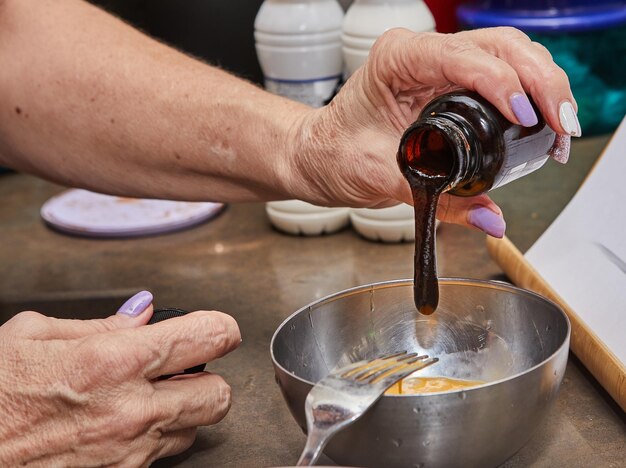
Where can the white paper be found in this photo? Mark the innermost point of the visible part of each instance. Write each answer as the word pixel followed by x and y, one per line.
pixel 582 255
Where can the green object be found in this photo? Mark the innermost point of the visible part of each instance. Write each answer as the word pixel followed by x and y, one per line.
pixel 595 62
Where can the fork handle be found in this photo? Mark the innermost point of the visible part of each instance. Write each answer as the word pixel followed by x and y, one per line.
pixel 315 442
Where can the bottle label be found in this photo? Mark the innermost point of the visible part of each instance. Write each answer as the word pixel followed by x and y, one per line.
pixel 517 163
pixel 315 93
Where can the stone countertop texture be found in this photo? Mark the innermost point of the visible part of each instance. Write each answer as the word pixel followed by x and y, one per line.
pixel 238 264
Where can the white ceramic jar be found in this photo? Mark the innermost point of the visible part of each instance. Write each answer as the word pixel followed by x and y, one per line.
pixel 298 44
pixel 366 20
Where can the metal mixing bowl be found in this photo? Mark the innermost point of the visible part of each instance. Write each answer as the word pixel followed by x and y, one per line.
pixel 514 340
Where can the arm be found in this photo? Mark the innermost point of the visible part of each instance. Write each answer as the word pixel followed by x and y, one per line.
pixel 88 101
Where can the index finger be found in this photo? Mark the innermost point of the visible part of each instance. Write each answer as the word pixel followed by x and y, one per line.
pixel 187 341
pixel 546 82
pixel 458 61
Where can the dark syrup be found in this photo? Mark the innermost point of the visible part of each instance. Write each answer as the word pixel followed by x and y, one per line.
pixel 462 144
pixel 431 151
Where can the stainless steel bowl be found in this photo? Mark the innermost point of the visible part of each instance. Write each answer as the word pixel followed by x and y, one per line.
pixel 513 339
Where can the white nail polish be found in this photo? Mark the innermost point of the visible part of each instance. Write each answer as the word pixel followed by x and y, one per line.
pixel 569 120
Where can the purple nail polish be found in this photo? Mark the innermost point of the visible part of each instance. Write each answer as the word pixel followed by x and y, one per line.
pixel 488 221
pixel 523 110
pixel 136 304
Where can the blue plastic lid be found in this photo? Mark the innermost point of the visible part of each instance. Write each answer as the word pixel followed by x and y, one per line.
pixel 531 16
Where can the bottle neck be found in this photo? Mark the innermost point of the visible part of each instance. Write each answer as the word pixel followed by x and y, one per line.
pixel 439 146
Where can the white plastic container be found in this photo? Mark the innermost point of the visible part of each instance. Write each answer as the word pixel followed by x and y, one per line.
pixel 298 44
pixel 366 20
pixel 395 224
pixel 300 218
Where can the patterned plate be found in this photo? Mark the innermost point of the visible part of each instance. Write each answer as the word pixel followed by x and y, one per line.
pixel 90 214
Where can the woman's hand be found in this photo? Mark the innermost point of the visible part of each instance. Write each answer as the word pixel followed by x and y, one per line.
pixel 81 393
pixel 346 152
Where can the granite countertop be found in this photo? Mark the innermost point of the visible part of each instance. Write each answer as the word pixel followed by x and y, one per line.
pixel 238 264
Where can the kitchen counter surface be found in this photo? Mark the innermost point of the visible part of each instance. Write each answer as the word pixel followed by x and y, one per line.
pixel 238 264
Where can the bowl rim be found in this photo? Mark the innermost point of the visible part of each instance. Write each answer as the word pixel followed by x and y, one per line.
pixel 449 280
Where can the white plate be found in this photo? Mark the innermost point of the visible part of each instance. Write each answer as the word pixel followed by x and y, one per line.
pixel 90 214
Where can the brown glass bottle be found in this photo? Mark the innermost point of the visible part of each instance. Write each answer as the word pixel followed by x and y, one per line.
pixel 463 145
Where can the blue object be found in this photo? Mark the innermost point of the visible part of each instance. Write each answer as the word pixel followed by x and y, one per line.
pixel 587 39
pixel 543 16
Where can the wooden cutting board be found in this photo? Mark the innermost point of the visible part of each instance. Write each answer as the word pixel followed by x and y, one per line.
pixel 580 263
pixel 585 344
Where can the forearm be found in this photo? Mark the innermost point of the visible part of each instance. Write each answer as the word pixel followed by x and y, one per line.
pixel 88 101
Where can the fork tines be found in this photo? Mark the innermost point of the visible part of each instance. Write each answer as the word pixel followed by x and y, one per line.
pixel 392 365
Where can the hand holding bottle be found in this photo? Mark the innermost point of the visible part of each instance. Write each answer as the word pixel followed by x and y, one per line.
pixel 363 124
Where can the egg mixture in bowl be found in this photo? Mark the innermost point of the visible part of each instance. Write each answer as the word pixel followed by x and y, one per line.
pixel 502 354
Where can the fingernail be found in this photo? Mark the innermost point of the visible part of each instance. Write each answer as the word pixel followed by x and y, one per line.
pixel 487 221
pixel 523 110
pixel 569 120
pixel 136 304
pixel 560 149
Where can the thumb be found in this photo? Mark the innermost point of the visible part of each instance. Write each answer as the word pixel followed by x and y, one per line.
pixel 135 312
pixel 479 212
pixel 135 308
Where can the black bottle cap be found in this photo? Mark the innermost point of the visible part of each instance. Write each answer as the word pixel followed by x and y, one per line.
pixel 167 313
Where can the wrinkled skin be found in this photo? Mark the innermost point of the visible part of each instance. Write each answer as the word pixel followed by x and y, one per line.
pixel 357 134
pixel 83 393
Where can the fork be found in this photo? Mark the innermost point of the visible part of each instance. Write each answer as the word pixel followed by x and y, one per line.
pixel 345 394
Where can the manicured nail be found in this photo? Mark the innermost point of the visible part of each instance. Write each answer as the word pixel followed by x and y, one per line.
pixel 487 221
pixel 523 110
pixel 560 149
pixel 136 304
pixel 569 120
